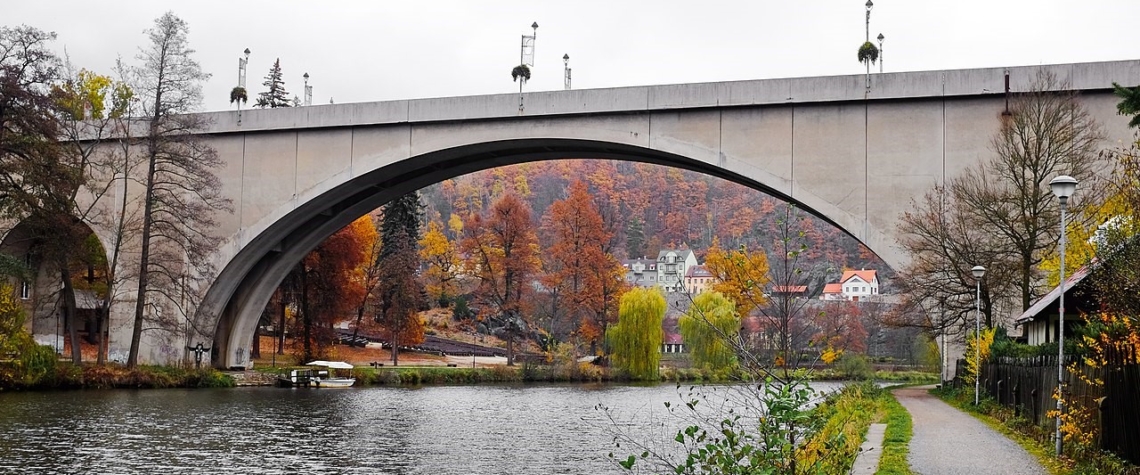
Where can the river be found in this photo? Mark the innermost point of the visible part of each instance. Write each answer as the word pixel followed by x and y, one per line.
pixel 433 430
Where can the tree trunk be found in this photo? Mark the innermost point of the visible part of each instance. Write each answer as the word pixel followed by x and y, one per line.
pixel 395 349
pixel 510 348
pixel 148 221
pixel 306 320
pixel 281 329
pixel 69 316
pixel 256 352
pixel 102 313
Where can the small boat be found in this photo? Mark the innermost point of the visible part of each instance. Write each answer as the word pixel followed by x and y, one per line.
pixel 317 377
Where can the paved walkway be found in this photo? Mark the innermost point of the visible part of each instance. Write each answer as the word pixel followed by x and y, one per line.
pixel 949 442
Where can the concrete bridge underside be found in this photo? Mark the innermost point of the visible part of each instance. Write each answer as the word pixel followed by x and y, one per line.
pixel 857 159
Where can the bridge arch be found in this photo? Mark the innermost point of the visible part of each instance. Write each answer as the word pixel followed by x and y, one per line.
pixel 235 301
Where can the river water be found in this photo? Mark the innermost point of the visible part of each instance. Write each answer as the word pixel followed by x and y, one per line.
pixel 437 430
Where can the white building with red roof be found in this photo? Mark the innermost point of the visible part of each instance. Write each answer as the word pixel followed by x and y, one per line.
pixel 854 285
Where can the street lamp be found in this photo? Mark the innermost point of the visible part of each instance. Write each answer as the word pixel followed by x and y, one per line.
pixel 566 71
pixel 978 272
pixel 1063 187
pixel 881 37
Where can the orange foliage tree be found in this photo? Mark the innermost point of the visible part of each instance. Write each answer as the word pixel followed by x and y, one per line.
pixel 325 288
pixel 590 279
pixel 503 254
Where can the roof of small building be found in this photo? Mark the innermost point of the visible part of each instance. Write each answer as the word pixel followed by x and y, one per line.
pixel 867 275
pixel 682 254
pixel 1051 298
pixel 789 289
pixel 698 271
pixel 673 339
pixel 836 288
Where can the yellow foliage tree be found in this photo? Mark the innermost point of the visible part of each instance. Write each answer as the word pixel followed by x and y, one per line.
pixel 11 317
pixel 635 340
pixel 981 348
pixel 708 329
pixel 1080 238
pixel 740 275
pixel 442 258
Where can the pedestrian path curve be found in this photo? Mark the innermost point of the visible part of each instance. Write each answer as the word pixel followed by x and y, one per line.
pixel 947 441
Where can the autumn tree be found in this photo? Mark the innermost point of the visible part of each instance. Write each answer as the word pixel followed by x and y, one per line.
pixel 369 273
pixel 401 294
pixel 181 192
pixel 274 95
pixel 635 341
pixel 840 328
pixel 54 122
pixel 325 287
pixel 740 275
pixel 443 263
pixel 709 328
pixel 503 254
pixel 589 278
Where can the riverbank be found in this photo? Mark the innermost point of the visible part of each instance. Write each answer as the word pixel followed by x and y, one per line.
pixel 66 375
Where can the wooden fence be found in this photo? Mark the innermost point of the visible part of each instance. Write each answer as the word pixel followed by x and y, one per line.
pixel 1110 394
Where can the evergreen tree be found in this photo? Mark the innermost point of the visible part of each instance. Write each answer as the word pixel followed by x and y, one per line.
pixel 275 96
pixel 635 239
pixel 401 293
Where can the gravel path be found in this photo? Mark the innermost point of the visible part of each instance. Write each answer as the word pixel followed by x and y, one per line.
pixel 948 442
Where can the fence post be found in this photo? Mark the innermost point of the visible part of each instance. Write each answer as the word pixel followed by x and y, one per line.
pixel 1102 440
pixel 1017 400
pixel 999 398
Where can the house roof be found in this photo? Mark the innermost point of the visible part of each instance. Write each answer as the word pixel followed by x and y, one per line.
pixel 1044 302
pixel 698 271
pixel 673 339
pixel 789 289
pixel 866 275
pixel 682 254
pixel 836 288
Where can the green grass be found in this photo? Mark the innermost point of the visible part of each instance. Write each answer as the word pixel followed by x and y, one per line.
pixel 896 441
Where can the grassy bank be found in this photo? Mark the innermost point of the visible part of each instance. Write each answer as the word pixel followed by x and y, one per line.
pixel 896 440
pixel 847 415
pixel 1035 439
pixel 65 375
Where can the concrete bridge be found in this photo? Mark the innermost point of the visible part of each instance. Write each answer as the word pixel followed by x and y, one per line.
pixel 853 157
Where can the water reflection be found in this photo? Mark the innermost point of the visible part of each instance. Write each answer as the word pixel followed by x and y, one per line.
pixel 432 430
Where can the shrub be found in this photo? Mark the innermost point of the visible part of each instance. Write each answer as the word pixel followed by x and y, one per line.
pixel 852 366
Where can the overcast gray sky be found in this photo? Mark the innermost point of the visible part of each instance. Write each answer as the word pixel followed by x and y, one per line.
pixel 359 51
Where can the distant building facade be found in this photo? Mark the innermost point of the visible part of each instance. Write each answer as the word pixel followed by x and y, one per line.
pixel 855 285
pixel 672 264
pixel 640 272
pixel 698 279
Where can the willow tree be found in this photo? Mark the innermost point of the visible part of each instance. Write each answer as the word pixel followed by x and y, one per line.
pixel 709 329
pixel 635 341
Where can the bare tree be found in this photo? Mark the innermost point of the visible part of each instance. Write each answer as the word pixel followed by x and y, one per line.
pixel 1048 134
pixel 1000 214
pixel 181 191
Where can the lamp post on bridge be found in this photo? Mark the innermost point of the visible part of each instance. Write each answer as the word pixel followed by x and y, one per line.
pixel 1063 188
pixel 881 37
